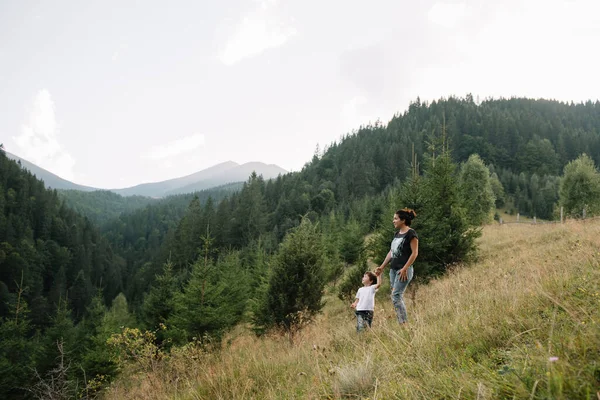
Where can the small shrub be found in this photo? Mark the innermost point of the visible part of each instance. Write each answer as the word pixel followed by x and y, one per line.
pixel 355 380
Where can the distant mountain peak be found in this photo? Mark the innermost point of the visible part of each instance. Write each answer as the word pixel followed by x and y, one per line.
pixel 238 173
pixel 217 175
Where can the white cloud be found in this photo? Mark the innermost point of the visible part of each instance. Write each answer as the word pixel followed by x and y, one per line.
pixel 538 48
pixel 38 141
pixel 358 111
pixel 122 49
pixel 175 148
pixel 258 31
pixel 448 15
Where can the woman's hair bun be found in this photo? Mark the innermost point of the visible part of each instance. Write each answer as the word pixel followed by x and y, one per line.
pixel 408 213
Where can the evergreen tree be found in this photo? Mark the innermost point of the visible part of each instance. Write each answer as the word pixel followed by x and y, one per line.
pixel 17 352
pixel 212 301
pixel 102 324
pixel 295 289
pixel 188 235
pixel 95 360
pixel 580 187
pixel 445 235
pixel 352 242
pixel 251 217
pixel 159 303
pixel 334 265
pixel 498 191
pixel 254 261
pixel 79 295
pixel 117 317
pixel 62 331
pixel 476 191
pixel 548 199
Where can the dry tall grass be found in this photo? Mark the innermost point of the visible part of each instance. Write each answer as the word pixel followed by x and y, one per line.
pixel 522 322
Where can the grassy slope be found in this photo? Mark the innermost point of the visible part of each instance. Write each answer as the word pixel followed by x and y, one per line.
pixel 485 331
pixel 507 218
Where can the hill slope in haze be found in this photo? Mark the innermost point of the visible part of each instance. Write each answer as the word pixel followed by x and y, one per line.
pixel 50 180
pixel 238 173
pixel 218 175
pixel 159 189
pixel 102 206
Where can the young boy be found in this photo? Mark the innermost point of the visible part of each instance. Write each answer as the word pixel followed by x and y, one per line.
pixel 365 300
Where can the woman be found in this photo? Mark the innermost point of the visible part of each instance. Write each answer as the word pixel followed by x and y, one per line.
pixel 404 250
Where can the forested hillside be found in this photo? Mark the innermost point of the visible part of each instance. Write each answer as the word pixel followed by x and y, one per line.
pixel 102 206
pixel 190 268
pixel 53 263
pixel 525 143
pixel 352 186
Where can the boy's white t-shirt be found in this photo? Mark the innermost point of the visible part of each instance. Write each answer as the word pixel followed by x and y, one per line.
pixel 366 298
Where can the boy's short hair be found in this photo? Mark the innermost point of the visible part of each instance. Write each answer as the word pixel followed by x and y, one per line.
pixel 372 277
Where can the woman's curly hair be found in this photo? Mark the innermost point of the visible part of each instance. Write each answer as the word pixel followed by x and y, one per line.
pixel 407 215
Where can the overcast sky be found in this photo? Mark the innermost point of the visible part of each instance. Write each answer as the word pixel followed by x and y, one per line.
pixel 115 93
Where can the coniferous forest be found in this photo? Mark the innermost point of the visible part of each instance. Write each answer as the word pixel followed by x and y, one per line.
pixel 77 268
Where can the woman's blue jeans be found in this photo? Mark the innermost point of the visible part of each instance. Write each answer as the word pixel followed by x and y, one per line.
pixel 398 287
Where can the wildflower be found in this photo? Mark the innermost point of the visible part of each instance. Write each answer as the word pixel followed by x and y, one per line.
pixel 552 359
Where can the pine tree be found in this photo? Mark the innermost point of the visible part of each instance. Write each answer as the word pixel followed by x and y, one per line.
pixel 95 359
pixel 295 289
pixel 117 317
pixel 476 191
pixel 63 331
pixel 251 217
pixel 580 187
pixel 352 242
pixel 334 265
pixel 254 261
pixel 498 191
pixel 212 301
pixel 17 352
pixel 188 236
pixel 79 294
pixel 159 303
pixel 445 235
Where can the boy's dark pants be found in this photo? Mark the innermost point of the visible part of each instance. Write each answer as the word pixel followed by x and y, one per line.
pixel 363 318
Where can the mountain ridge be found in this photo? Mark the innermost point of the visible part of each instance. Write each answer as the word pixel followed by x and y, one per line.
pixel 236 174
pixel 50 179
pixel 219 174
